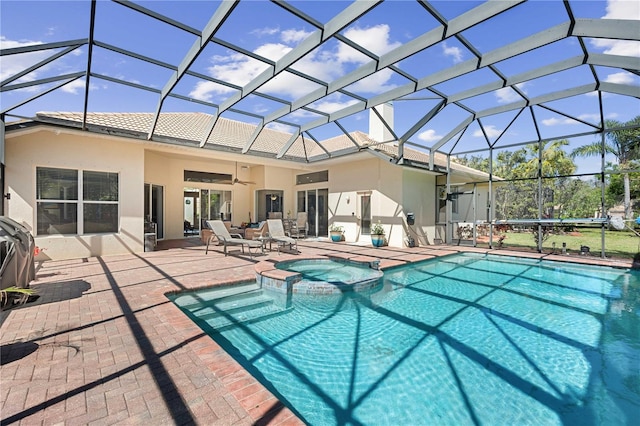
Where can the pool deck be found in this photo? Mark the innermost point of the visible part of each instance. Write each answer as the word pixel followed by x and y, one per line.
pixel 103 344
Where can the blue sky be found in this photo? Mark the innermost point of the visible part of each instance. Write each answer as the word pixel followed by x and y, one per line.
pixel 269 31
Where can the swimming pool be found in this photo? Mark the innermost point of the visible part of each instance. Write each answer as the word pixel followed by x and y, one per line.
pixel 464 339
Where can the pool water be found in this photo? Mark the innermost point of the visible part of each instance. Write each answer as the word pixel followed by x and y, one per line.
pixel 465 339
pixel 328 270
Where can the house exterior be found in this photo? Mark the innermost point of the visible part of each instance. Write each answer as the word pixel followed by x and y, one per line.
pixel 96 191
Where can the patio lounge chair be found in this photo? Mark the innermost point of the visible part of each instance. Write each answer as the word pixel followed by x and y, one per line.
pixel 226 239
pixel 277 234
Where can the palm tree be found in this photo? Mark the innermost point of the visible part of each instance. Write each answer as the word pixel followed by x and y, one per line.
pixel 624 144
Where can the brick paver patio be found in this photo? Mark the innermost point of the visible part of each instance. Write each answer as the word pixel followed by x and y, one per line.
pixel 103 344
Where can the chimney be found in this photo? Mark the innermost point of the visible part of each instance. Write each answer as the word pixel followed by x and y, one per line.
pixel 377 130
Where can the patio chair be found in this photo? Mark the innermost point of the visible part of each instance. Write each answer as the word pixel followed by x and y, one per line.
pixel 219 231
pixel 301 226
pixel 255 233
pixel 277 234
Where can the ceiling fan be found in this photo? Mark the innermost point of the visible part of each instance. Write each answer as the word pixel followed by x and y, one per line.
pixel 241 182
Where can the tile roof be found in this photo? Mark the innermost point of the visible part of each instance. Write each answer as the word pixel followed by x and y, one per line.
pixel 231 135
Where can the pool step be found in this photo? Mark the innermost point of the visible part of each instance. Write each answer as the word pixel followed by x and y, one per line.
pixel 223 307
pixel 229 306
pixel 189 300
pixel 225 320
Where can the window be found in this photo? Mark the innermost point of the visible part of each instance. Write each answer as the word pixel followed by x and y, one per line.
pixel 455 191
pixel 215 204
pixel 205 177
pixel 100 196
pixel 314 177
pixel 60 209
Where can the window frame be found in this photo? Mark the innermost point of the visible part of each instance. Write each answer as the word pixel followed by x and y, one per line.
pixel 79 202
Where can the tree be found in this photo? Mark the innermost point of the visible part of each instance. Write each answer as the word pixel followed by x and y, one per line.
pixel 555 166
pixel 517 196
pixel 624 143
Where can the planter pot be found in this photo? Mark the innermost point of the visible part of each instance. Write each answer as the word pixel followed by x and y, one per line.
pixel 335 236
pixel 377 240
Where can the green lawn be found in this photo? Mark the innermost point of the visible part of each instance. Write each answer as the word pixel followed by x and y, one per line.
pixel 619 244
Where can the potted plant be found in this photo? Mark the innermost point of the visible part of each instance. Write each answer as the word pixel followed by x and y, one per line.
pixel 336 232
pixel 377 235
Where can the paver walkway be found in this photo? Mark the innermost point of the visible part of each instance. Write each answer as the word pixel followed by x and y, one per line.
pixel 103 344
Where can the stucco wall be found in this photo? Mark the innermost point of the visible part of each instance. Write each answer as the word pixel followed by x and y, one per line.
pixel 394 190
pixel 346 180
pixel 168 171
pixel 80 151
pixel 389 188
pixel 418 193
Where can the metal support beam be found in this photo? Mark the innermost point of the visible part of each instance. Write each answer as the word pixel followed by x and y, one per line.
pixel 39 64
pixel 221 14
pixel 44 92
pixel 87 78
pixel 253 137
pixel 287 145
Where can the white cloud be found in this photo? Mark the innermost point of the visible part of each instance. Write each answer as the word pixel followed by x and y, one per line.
pixel 374 39
pixel 292 36
pixel 348 54
pixel 508 95
pixel 289 84
pixel 554 121
pixel 375 83
pixel 557 121
pixel 75 87
pixel 324 63
pixel 620 9
pixel 235 68
pixel 321 64
pixel 429 136
pixel 273 51
pixel 453 51
pixel 266 31
pixel 260 109
pixel 490 130
pixel 594 118
pixel 620 78
pixel 618 47
pixel 13 64
pixel 279 127
pixel 332 103
pixel 205 90
pixel 329 107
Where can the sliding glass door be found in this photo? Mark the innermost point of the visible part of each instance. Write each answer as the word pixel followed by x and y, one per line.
pixel 314 202
pixel 154 207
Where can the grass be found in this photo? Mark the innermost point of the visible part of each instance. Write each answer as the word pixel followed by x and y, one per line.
pixel 618 244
